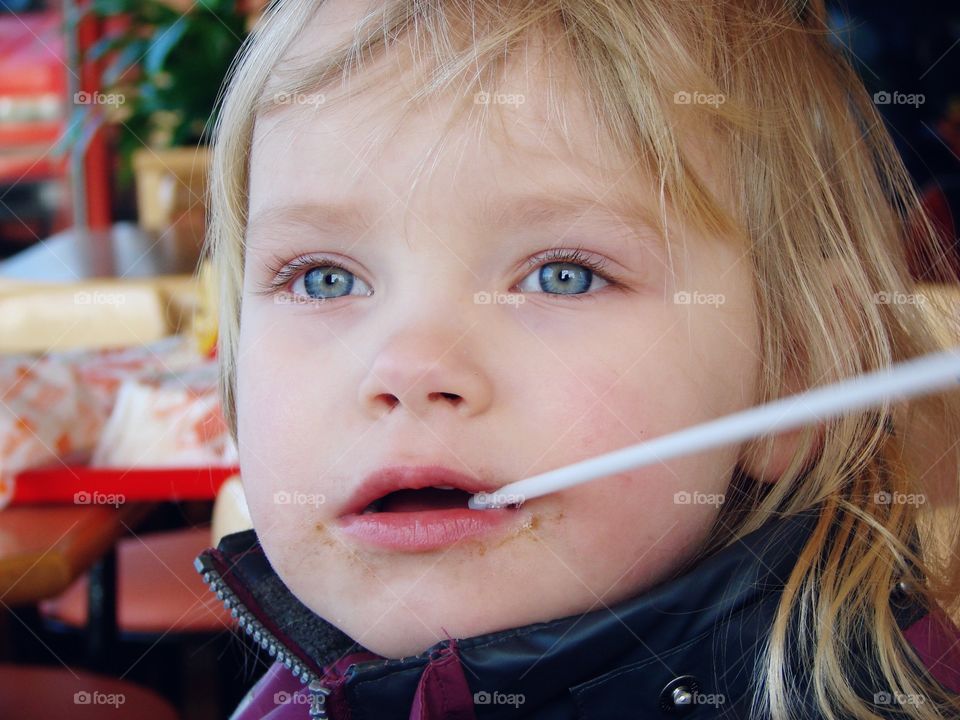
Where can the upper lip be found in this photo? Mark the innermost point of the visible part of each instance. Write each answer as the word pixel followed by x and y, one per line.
pixel 410 477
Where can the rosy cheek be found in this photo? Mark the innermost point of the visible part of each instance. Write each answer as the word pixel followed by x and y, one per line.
pixel 621 407
pixel 605 427
pixel 262 448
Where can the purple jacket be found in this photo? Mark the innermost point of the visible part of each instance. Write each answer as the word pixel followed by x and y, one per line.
pixel 685 648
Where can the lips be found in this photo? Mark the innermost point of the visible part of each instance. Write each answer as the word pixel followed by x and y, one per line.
pixel 409 488
pixel 420 509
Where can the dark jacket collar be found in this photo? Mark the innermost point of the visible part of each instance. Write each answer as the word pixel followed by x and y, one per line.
pixel 697 634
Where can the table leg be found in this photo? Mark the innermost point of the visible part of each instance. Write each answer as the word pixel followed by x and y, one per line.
pixel 102 612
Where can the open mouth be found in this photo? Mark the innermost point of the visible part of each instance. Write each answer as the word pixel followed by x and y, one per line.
pixel 425 518
pixel 423 499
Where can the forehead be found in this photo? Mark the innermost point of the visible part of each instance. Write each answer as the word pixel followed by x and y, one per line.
pixel 367 136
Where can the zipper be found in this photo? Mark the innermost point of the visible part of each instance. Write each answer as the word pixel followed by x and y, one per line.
pixel 269 642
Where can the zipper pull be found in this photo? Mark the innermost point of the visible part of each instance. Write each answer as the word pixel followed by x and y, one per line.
pixel 318 700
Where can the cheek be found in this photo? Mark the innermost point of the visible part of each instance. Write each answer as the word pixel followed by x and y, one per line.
pixel 629 530
pixel 632 390
pixel 278 400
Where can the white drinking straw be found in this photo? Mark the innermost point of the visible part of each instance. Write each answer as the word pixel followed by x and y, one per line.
pixel 925 374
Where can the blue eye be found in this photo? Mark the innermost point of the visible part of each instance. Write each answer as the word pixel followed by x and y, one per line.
pixel 312 279
pixel 326 282
pixel 562 278
pixel 565 271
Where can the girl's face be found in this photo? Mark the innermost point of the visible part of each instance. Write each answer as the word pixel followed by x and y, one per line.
pixel 557 366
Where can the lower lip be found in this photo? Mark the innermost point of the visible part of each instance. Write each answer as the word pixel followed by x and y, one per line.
pixel 423 530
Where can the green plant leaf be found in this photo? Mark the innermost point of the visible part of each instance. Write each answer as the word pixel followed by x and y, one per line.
pixel 113 7
pixel 125 60
pixel 105 44
pixel 150 99
pixel 141 12
pixel 220 7
pixel 73 132
pixel 84 125
pixel 164 40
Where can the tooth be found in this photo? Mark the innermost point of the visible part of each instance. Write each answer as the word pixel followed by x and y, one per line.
pixel 444 487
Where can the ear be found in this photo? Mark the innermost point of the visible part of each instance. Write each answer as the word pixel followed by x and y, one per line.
pixel 767 458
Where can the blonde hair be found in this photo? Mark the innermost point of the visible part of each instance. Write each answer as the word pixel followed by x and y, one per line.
pixel 823 201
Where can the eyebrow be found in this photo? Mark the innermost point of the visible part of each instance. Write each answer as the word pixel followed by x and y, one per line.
pixel 499 211
pixel 532 210
pixel 331 217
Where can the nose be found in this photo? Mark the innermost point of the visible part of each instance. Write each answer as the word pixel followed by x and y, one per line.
pixel 426 374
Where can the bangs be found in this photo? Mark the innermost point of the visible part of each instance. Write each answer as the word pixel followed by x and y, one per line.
pixel 412 53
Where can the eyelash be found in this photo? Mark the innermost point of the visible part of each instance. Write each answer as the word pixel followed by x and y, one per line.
pixel 285 272
pixel 573 256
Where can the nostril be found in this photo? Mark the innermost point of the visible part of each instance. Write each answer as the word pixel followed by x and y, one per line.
pixel 390 400
pixel 449 396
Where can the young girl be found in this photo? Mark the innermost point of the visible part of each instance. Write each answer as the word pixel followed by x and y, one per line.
pixel 460 244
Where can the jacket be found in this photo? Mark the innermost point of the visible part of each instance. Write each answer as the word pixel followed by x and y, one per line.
pixel 685 648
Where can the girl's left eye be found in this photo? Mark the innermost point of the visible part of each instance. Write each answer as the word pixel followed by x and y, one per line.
pixel 566 272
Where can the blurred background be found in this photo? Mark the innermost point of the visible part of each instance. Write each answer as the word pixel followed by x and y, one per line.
pixel 107 333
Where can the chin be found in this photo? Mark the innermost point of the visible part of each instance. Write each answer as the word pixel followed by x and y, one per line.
pixel 397 646
pixel 417 638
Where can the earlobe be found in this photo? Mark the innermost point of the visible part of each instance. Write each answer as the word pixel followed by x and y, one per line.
pixel 767 459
